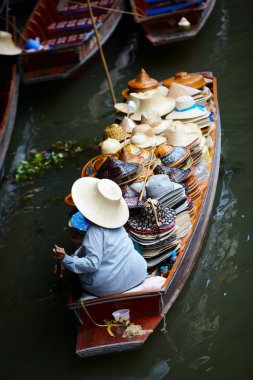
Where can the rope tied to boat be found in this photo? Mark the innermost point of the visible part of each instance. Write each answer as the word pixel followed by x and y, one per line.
pixel 146 176
pixel 131 330
pixel 108 323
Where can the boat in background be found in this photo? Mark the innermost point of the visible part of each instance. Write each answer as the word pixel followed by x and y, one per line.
pixel 67 41
pixel 160 19
pixel 9 84
pixel 148 308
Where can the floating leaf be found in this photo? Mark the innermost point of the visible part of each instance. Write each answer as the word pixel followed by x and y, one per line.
pixel 37 162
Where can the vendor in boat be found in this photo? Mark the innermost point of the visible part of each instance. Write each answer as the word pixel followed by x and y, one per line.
pixel 107 261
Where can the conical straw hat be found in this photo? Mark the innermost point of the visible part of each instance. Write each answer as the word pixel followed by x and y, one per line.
pixel 177 90
pixel 192 80
pixel 7 46
pixel 143 82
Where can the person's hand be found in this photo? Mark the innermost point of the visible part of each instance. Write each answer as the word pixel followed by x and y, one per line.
pixel 58 253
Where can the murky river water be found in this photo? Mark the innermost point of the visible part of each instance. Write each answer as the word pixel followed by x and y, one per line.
pixel 209 329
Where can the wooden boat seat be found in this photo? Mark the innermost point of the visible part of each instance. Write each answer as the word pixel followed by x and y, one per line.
pixel 69 40
pixel 70 26
pixel 173 7
pixel 82 10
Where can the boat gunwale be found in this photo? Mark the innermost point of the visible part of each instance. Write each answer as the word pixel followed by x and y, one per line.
pixel 7 118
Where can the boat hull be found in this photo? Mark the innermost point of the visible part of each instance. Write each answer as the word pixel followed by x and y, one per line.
pixel 66 61
pixel 9 89
pixel 163 30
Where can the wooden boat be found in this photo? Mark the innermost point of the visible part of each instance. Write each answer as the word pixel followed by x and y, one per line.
pixel 9 86
pixel 160 23
pixel 148 308
pixel 66 37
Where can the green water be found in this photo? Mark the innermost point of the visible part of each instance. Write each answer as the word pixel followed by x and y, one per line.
pixel 209 329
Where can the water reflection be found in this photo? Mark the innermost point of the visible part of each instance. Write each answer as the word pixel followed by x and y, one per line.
pixel 118 77
pixel 221 41
pixel 216 270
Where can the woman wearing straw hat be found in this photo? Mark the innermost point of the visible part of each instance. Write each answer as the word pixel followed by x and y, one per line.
pixel 106 262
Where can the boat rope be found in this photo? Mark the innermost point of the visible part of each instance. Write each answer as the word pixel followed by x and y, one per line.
pixel 109 9
pixel 164 328
pixel 108 324
pixel 102 53
pixel 153 204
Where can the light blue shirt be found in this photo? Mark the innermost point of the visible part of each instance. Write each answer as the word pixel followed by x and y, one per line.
pixel 107 262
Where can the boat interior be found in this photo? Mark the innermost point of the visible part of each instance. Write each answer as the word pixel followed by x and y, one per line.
pixel 61 23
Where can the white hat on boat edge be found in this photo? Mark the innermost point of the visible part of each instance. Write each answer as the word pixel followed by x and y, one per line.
pixel 7 46
pixel 186 108
pixel 100 201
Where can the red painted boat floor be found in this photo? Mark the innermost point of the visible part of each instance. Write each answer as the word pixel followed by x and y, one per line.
pixel 97 340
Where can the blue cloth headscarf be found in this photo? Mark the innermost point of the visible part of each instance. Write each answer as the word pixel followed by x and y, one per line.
pixel 79 222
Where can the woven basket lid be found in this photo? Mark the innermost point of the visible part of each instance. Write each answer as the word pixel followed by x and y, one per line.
pixel 191 80
pixel 114 131
pixel 142 82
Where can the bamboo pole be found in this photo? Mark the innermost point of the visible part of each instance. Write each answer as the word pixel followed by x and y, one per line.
pixel 102 54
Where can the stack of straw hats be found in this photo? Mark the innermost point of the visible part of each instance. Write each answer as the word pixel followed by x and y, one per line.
pixel 154 229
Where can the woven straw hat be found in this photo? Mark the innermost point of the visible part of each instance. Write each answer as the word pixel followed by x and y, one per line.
pixel 178 134
pixel 110 146
pixel 148 101
pixel 143 82
pixel 152 213
pixel 144 136
pixel 127 124
pixel 155 121
pixel 186 108
pixel 114 131
pixel 177 89
pixel 100 201
pixel 192 80
pixel 143 157
pixel 119 171
pixel 7 46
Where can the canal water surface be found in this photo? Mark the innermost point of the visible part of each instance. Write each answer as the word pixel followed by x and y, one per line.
pixel 208 332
